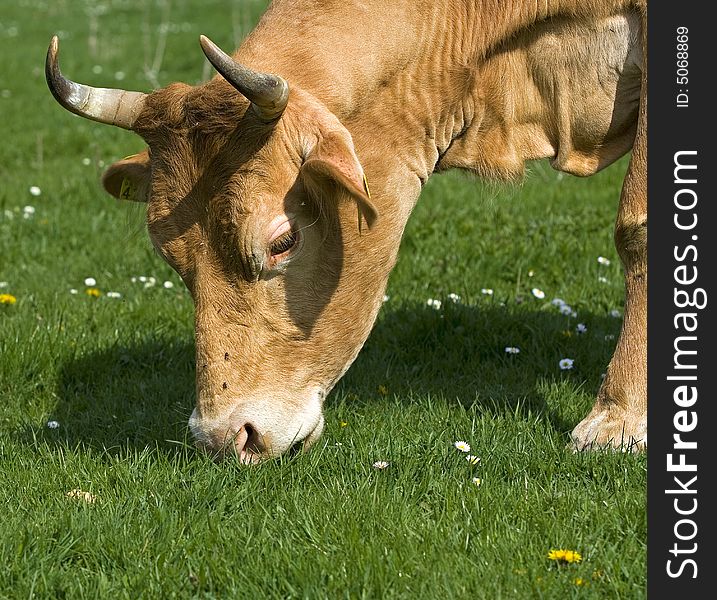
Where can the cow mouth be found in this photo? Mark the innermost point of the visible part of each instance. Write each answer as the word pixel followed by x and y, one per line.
pixel 250 449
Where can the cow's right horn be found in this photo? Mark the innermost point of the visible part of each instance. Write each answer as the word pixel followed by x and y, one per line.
pixel 268 94
pixel 114 107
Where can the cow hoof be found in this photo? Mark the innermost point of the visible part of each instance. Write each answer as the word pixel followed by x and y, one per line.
pixel 610 429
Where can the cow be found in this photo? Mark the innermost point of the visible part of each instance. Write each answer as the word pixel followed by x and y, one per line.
pixel 279 190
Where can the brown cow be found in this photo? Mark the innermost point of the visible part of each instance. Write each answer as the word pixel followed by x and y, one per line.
pixel 257 184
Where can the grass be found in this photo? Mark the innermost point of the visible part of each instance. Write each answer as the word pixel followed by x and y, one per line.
pixel 117 374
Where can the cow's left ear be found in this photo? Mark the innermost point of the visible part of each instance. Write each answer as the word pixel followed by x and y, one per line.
pixel 129 178
pixel 334 158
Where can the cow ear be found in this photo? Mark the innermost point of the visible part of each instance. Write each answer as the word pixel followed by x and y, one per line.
pixel 334 158
pixel 128 179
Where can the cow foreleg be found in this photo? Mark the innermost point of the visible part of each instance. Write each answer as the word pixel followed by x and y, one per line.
pixel 619 417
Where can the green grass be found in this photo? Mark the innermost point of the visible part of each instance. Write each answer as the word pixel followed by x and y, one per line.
pixel 118 376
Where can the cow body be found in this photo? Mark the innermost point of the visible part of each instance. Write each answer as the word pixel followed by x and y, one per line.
pixel 391 92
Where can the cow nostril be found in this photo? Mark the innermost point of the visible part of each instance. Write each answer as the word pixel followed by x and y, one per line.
pixel 253 440
pixel 249 444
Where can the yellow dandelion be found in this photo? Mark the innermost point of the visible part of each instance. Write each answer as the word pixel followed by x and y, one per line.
pixel 343 424
pixel 7 299
pixel 580 581
pixel 94 292
pixel 383 390
pixel 566 556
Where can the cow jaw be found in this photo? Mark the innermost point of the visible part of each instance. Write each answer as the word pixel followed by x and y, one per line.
pixel 262 427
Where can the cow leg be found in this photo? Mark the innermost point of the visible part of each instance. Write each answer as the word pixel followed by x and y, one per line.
pixel 619 417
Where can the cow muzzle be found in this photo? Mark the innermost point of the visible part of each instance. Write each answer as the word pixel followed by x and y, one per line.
pixel 259 429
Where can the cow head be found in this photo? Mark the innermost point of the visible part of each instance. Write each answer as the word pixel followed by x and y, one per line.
pixel 256 197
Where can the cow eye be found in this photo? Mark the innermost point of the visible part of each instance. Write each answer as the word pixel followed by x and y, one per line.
pixel 283 244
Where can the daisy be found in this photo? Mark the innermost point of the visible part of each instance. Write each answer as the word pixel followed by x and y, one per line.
pixel 603 261
pixel 386 298
pixel 474 460
pixel 90 282
pixel 462 446
pixel 380 464
pixel 113 295
pixel 434 303
pixel 168 284
pixel 35 191
pixel 566 310
pixel 52 424
pixel 566 363
pixel 477 481
pixel 615 313
pixel 486 291
pixel 581 328
pixel 539 294
pixel 557 302
pixel 454 297
pixel 512 350
pixel 602 279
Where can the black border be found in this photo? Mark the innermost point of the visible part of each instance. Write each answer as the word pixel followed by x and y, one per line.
pixel 673 128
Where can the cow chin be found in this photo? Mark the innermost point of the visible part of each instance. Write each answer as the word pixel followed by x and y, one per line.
pixel 259 428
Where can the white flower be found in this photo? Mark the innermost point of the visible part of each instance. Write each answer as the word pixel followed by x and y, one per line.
pixel 380 464
pixel 73 291
pixel 86 161
pixel 557 302
pixel 477 481
pixel 474 460
pixel 615 313
pixel 602 279
pixel 540 294
pixel 454 297
pixel 29 210
pixel 603 261
pixel 149 281
pixel 486 291
pixel 90 281
pixel 434 303
pixel 581 328
pixel 142 278
pixel 566 363
pixel 52 424
pixel 113 295
pixel 462 446
pixel 512 350
pixel 168 284
pixel 566 310
pixel 573 314
pixel 386 298
pixel 35 191
pixel 531 273
pixel 3 284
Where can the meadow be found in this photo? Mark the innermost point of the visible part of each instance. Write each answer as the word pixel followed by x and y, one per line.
pixel 101 490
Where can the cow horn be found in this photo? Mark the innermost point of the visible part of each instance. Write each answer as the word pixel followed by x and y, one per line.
pixel 114 107
pixel 268 94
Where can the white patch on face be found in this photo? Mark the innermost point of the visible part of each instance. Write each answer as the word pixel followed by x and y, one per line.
pixel 279 423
